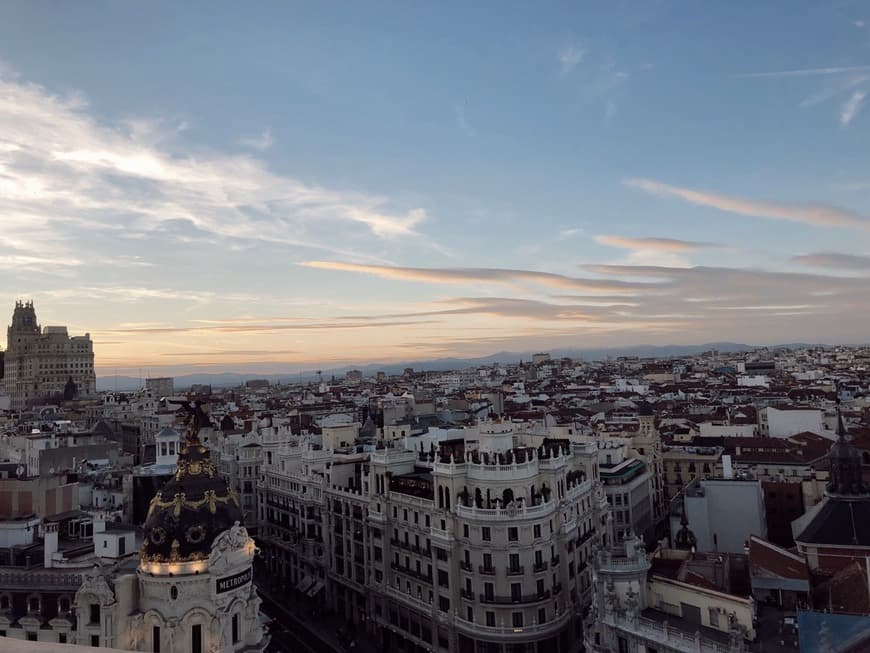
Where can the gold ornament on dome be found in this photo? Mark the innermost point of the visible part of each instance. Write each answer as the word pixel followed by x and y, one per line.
pixel 173 556
pixel 180 500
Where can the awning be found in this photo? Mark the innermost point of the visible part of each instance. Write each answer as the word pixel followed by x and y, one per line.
pixel 304 584
pixel 319 585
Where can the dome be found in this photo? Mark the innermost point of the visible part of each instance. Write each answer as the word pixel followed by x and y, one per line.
pixel 191 510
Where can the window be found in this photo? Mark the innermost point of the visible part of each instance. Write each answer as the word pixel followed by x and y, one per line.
pixel 443 578
pixel 155 639
pixel 517 619
pixel 95 640
pixel 443 604
pixel 540 587
pixel 469 614
pixel 516 592
pixel 537 531
pixel 487 561
pixel 61 638
pixel 490 618
pixel 235 629
pixel 714 617
pixel 488 591
pixel 95 613
pixel 31 636
pixel 514 561
pixel 485 534
pixel 513 534
pixel 196 639
pixel 542 616
pixel 465 530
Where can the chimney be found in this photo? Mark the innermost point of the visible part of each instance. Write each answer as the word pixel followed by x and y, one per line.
pixel 49 544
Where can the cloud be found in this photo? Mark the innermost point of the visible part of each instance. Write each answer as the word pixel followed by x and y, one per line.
pixel 851 107
pixel 653 244
pixel 462 119
pixel 482 276
pixel 232 352
pixel 134 294
pixel 816 214
pixel 570 57
pixel 265 328
pixel 834 260
pixel 807 72
pixel 567 233
pixel 66 175
pixel 262 142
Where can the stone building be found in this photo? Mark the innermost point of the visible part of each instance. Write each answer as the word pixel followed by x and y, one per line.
pixel 190 590
pixel 45 362
pixel 471 546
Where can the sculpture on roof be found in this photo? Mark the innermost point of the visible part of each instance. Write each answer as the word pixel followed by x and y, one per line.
pixel 196 418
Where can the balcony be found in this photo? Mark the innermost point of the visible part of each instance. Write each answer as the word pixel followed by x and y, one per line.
pixel 541 566
pixel 515 633
pixel 427 578
pixel 466 594
pixel 554 561
pixel 515 600
pixel 486 571
pixel 466 566
pixel 515 571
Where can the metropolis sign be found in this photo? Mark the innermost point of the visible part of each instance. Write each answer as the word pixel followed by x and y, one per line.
pixel 229 583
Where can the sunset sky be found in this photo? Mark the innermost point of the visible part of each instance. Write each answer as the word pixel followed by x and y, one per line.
pixel 212 185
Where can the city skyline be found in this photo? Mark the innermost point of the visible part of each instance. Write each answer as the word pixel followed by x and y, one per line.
pixel 306 187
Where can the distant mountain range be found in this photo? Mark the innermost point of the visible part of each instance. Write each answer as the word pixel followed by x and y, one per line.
pixel 229 379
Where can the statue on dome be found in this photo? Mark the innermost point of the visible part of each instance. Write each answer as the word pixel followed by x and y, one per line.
pixel 196 418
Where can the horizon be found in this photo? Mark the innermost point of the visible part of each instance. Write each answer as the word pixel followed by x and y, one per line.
pixel 302 187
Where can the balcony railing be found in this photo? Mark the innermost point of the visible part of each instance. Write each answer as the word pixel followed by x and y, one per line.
pixel 514 600
pixel 486 571
pixel 465 566
pixel 541 566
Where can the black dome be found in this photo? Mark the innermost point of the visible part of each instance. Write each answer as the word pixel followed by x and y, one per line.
pixel 190 511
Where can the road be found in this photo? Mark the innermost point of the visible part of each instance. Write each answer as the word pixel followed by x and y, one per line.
pixel 289 633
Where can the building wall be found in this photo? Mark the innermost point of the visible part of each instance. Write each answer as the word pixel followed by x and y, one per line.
pixel 670 596
pixel 39 362
pixel 725 516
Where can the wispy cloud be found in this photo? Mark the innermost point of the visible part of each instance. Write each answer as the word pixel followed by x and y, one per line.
pixel 653 244
pixel 262 142
pixel 462 119
pixel 482 276
pixel 569 57
pixel 64 173
pixel 808 72
pixel 851 107
pixel 833 260
pixel 816 214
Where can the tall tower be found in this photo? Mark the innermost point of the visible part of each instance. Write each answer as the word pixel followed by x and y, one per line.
pixel 195 572
pixel 21 337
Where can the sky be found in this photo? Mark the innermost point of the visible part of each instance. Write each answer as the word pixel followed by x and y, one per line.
pixel 214 185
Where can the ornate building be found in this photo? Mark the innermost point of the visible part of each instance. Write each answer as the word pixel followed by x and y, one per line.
pixel 44 362
pixel 446 548
pixel 196 575
pixel 190 591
